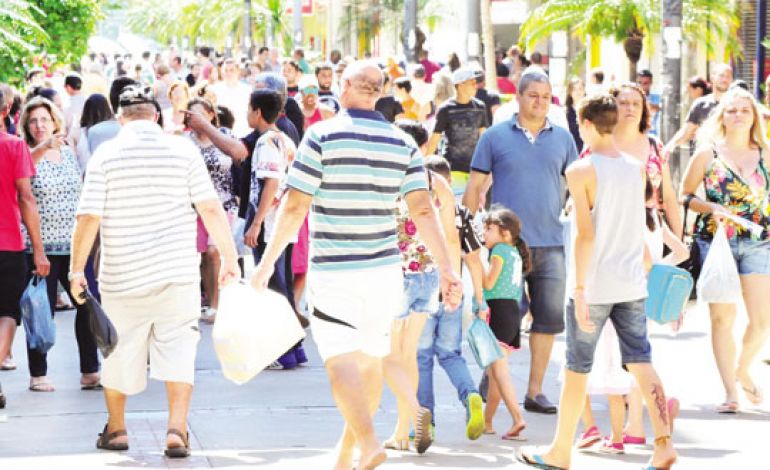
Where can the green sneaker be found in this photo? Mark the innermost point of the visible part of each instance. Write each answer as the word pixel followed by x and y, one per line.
pixel 475 416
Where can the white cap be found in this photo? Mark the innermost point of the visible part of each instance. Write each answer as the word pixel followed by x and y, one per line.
pixel 463 74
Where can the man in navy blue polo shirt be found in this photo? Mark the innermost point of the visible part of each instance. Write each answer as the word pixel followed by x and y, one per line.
pixel 526 157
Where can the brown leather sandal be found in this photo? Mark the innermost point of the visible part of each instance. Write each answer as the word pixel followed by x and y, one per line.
pixel 105 440
pixel 178 452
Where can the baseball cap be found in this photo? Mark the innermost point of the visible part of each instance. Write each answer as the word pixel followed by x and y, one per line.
pixel 134 94
pixel 463 74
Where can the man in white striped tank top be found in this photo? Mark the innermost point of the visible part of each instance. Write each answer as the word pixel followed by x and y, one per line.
pixel 606 281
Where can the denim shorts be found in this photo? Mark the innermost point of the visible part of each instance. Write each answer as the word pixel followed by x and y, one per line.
pixel 546 285
pixel 630 324
pixel 421 291
pixel 751 256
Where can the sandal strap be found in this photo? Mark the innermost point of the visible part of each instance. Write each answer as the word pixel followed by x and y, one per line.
pixel 178 433
pixel 104 437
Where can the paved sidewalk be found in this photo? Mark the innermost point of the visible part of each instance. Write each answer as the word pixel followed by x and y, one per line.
pixel 287 419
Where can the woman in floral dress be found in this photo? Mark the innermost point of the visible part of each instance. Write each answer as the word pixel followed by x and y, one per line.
pixel 421 287
pixel 732 164
pixel 56 186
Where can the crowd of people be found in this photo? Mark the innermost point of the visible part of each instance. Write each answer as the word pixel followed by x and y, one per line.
pixel 362 190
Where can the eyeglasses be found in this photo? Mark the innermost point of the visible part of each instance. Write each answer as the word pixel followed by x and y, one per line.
pixel 40 122
pixel 311 90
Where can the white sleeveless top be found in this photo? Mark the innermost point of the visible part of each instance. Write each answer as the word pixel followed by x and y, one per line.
pixel 616 272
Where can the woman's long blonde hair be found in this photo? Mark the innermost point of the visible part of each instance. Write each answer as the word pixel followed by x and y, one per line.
pixel 713 129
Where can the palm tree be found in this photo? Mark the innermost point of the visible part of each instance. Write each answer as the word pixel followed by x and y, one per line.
pixel 633 23
pixel 19 32
pixel 205 21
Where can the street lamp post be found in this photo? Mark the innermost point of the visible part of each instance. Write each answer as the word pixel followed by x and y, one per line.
pixel 247 22
pixel 410 29
pixel 298 24
pixel 760 58
pixel 672 76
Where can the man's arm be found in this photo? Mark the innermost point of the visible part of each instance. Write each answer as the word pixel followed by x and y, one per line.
pixel 83 236
pixel 476 184
pixel 422 213
pixel 685 134
pixel 476 269
pixel 229 145
pixel 435 138
pixel 447 217
pixel 291 215
pixel 270 187
pixel 31 219
pixel 580 177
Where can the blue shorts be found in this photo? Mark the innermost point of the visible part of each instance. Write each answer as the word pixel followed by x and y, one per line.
pixel 546 285
pixel 421 291
pixel 751 256
pixel 630 323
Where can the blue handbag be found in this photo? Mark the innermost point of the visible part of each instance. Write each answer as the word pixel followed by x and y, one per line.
pixel 37 317
pixel 668 290
pixel 483 343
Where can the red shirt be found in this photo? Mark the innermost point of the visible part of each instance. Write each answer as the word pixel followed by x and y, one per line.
pixel 15 163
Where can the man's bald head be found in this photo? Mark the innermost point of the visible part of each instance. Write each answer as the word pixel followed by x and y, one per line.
pixel 361 85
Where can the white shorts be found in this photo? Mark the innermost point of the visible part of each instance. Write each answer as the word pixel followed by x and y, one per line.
pixel 352 311
pixel 160 323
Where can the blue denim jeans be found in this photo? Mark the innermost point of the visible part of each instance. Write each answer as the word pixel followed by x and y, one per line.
pixel 546 284
pixel 442 337
pixel 630 323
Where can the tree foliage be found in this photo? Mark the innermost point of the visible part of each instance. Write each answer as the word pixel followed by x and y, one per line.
pixel 205 21
pixel 704 22
pixel 60 28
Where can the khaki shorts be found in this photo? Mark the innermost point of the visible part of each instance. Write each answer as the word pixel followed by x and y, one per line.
pixel 353 310
pixel 160 323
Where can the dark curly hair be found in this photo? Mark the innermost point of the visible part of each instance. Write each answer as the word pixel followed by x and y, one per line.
pixel 507 221
pixel 645 121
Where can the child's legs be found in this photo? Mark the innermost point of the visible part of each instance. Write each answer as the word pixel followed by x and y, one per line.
pixel 502 379
pixel 617 416
pixel 588 415
pixel 635 426
pixel 493 400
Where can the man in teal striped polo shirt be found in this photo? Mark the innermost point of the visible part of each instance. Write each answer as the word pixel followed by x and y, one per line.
pixel 348 172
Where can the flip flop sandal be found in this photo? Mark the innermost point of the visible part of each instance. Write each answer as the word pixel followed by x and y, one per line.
pixel 728 408
pixel 422 437
pixel 105 440
pixel 92 386
pixel 535 461
pixel 396 444
pixel 178 452
pixel 42 387
pixel 754 394
pixel 515 435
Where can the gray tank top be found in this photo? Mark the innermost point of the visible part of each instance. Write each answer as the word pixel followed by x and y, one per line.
pixel 616 273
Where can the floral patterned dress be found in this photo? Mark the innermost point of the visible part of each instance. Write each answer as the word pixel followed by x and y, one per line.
pixel 218 164
pixel 56 187
pixel 415 257
pixel 746 198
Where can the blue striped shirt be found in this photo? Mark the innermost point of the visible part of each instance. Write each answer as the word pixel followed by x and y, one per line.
pixel 355 165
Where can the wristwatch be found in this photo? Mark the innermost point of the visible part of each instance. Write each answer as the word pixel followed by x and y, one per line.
pixel 71 276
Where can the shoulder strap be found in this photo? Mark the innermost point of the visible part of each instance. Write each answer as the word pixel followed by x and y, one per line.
pixel 430 180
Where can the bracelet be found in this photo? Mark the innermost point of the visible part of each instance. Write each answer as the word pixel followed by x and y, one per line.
pixel 688 200
pixel 75 275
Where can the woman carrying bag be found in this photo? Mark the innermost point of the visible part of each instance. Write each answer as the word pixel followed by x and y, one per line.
pixel 732 164
pixel 56 186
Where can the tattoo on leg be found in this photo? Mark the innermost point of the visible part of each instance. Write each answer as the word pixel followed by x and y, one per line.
pixel 660 402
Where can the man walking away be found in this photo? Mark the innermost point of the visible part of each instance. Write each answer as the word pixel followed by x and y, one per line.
pixel 139 192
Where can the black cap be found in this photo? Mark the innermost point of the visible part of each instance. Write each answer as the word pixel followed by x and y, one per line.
pixel 134 94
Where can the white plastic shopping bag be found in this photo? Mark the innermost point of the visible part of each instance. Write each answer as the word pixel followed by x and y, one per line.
pixel 252 330
pixel 719 281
